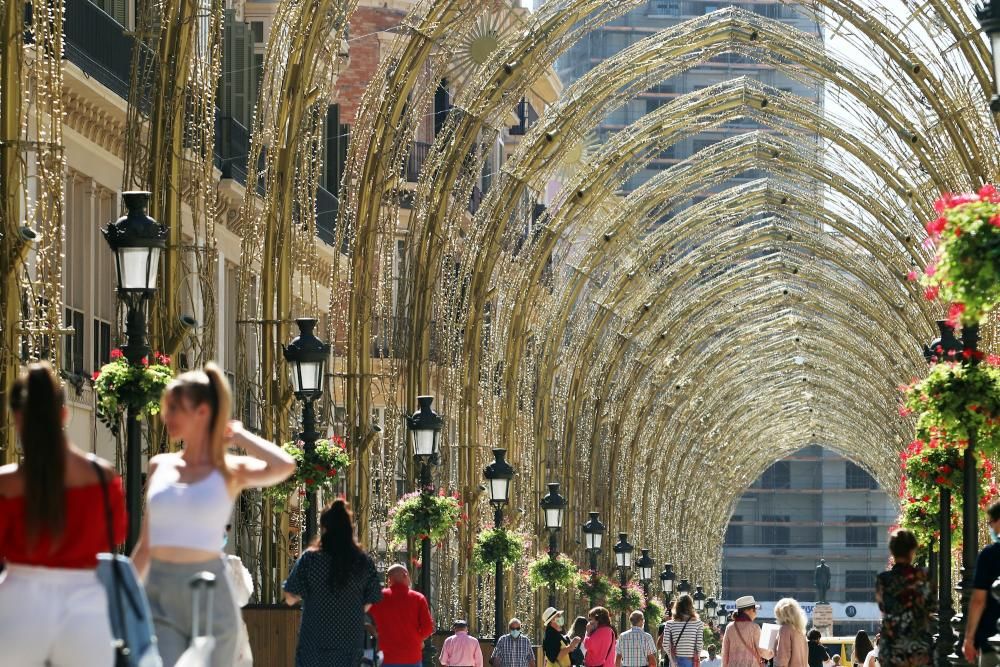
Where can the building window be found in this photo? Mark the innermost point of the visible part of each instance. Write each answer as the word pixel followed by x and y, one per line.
pixel 102 343
pixel 858 478
pixel 257 28
pixel 734 534
pixel 778 476
pixel 73 343
pixel 864 533
pixel 664 7
pixel 859 585
pixel 775 536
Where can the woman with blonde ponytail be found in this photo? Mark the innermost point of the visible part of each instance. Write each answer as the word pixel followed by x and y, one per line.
pixel 55 506
pixel 189 500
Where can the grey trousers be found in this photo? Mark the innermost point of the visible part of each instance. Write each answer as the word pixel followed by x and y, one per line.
pixel 170 599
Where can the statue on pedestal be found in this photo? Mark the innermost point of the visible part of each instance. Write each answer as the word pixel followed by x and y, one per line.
pixel 821 579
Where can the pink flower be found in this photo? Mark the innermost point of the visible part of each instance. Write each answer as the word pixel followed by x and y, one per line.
pixel 987 192
pixel 96 375
pixel 955 313
pixel 116 354
pixel 930 269
pixel 936 226
pixel 931 293
pixel 912 275
pixel 995 220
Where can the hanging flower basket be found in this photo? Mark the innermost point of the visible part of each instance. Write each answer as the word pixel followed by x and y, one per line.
pixel 626 600
pixel 559 573
pixel 654 612
pixel 928 467
pixel 497 545
pixel 595 586
pixel 418 516
pixel 119 386
pixel 313 472
pixel 965 270
pixel 955 400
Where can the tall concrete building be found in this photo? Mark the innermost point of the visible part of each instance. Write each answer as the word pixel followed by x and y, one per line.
pixel 657 15
pixel 813 504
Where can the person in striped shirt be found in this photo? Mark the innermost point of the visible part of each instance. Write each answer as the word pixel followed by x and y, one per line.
pixel 635 646
pixel 682 635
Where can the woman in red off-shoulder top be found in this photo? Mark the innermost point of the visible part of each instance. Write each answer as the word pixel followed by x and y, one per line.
pixel 53 523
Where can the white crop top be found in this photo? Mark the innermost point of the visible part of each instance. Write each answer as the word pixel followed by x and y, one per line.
pixel 188 515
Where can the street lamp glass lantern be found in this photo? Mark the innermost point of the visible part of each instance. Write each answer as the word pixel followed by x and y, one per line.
pixel 667 579
pixel 722 613
pixel 699 599
pixel 593 533
pixel 425 429
pixel 623 551
pixel 988 14
pixel 710 606
pixel 645 565
pixel 553 507
pixel 137 241
pixel 307 355
pixel 684 587
pixel 498 475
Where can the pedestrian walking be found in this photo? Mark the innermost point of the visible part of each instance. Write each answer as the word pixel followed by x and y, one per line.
pixel 713 659
pixel 818 655
pixel 337 583
pixel 683 635
pixel 403 620
pixel 984 610
pixel 461 649
pixel 53 523
pixel 601 639
pixel 513 649
pixel 740 642
pixel 905 597
pixel 792 649
pixel 635 647
pixel 667 615
pixel 556 646
pixel 577 655
pixel 189 500
pixel 862 647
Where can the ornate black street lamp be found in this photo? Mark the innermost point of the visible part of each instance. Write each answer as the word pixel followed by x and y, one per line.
pixel 667 582
pixel 710 606
pixel 137 241
pixel 723 615
pixel 645 565
pixel 498 475
pixel 699 599
pixel 425 430
pixel 623 560
pixel 684 587
pixel 593 535
pixel 553 509
pixel 988 14
pixel 306 356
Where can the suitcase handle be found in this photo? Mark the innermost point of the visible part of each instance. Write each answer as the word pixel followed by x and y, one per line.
pixel 202 583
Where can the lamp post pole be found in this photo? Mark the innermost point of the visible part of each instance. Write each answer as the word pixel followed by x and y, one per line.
pixel 593 533
pixel 306 356
pixel 645 565
pixel 553 509
pixel 425 429
pixel 970 509
pixel 623 559
pixel 137 241
pixel 667 583
pixel 498 475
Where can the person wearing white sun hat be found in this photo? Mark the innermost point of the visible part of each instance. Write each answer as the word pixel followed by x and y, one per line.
pixel 556 646
pixel 740 643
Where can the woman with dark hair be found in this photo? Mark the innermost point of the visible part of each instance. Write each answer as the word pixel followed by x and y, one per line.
pixel 189 500
pixel 336 582
pixel 576 658
pixel 601 641
pixel 906 599
pixel 740 643
pixel 862 647
pixel 817 653
pixel 53 523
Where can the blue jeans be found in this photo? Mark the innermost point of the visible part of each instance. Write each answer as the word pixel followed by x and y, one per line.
pixel 683 662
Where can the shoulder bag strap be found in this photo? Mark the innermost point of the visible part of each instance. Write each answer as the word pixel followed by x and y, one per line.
pixel 115 574
pixel 675 642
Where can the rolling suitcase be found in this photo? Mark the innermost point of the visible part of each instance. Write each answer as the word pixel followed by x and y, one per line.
pixel 199 652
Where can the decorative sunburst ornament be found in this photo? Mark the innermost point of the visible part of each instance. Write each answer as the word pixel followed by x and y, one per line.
pixel 483 39
pixel 579 155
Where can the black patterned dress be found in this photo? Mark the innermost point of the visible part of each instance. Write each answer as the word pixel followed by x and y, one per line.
pixel 905 597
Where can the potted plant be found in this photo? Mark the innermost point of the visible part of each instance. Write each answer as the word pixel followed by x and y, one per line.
pixel 316 471
pixel 654 612
pixel 626 600
pixel 966 235
pixel 594 585
pixel 559 573
pixel 497 545
pixel 120 385
pixel 417 516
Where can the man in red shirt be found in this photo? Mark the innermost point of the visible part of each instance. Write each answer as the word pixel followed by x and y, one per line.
pixel 403 621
